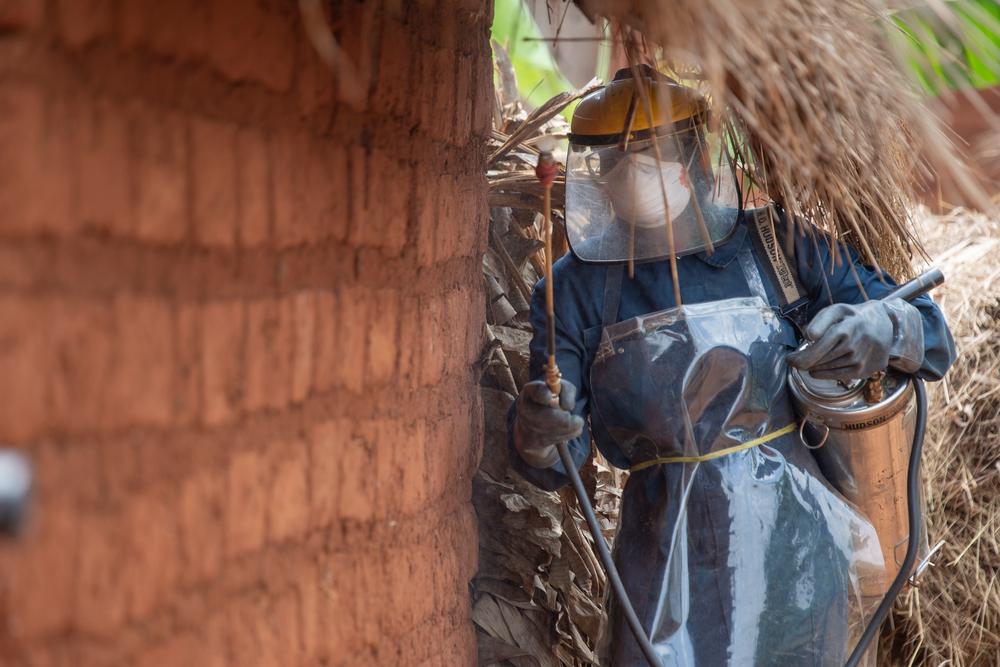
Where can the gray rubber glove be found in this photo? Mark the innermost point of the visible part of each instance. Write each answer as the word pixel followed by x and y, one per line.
pixel 853 341
pixel 540 424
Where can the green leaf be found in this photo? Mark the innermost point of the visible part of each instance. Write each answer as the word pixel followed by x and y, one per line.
pixel 538 76
pixel 960 52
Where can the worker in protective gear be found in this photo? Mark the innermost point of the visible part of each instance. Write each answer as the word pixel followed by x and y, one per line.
pixel 732 546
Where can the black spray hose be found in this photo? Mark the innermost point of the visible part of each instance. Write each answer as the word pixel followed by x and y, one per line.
pixel 606 560
pixel 913 516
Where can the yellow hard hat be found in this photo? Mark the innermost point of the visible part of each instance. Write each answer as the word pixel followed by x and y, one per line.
pixel 601 116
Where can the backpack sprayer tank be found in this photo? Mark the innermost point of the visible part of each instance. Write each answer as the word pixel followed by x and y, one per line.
pixel 861 433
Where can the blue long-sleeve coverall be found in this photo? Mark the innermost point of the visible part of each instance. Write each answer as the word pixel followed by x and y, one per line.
pixel 579 291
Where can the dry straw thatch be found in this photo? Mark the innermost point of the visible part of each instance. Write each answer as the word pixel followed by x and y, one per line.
pixel 954 617
pixel 833 126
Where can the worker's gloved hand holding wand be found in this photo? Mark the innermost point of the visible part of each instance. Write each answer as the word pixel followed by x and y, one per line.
pixel 544 407
pixel 541 423
pixel 853 341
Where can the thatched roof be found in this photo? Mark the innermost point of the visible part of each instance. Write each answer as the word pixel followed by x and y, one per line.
pixel 833 124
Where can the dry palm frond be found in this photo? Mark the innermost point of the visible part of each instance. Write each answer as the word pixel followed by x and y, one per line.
pixel 538 595
pixel 833 129
pixel 538 118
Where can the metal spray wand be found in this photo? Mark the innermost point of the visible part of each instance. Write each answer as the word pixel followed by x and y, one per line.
pixel 546 171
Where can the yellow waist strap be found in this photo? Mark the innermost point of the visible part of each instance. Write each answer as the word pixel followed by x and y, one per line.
pixel 773 435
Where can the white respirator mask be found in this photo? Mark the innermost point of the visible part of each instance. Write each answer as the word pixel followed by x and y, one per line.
pixel 633 186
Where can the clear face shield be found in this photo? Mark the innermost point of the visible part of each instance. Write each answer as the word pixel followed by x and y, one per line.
pixel 620 204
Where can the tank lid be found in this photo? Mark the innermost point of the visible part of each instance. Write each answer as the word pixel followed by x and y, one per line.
pixel 836 390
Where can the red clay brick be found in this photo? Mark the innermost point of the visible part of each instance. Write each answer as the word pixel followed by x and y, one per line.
pixel 188 383
pixel 432 354
pixel 21 14
pixel 456 313
pixel 395 67
pixel 80 346
pixel 152 567
pixel 388 184
pixel 310 631
pixel 470 238
pixel 213 147
pixel 483 100
pixel 327 172
pixel 285 619
pixel 303 361
pixel 101 599
pixel 212 636
pixel 383 338
pixel 371 609
pixel 160 147
pixel 354 308
pixel 362 231
pixel 102 174
pixel 387 439
pixel 463 108
pixel 436 479
pixel 264 632
pixel 288 505
pixel 287 151
pixel 222 360
pixel 254 187
pixel 250 637
pixel 83 21
pixel 269 354
pixel 325 445
pixel 44 561
pixel 251 42
pixel 322 193
pixel 173 29
pixel 66 472
pixel 441 123
pixel 183 649
pixel 357 492
pixel 201 505
pixel 428 217
pixel 309 188
pixel 23 409
pixel 446 245
pixel 246 504
pixel 410 329
pixel 328 352
pixel 414 454
pixel 36 172
pixel 141 388
pixel 335 607
pixel 400 572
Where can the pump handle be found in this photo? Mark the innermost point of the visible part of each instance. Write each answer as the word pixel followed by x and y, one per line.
pixel 922 284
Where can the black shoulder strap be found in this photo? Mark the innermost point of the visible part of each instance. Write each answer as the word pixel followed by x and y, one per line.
pixel 792 298
pixel 612 294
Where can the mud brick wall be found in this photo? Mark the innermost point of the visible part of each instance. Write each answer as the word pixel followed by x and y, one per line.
pixel 238 327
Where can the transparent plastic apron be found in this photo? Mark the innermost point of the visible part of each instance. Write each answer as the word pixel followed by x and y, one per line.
pixel 733 548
